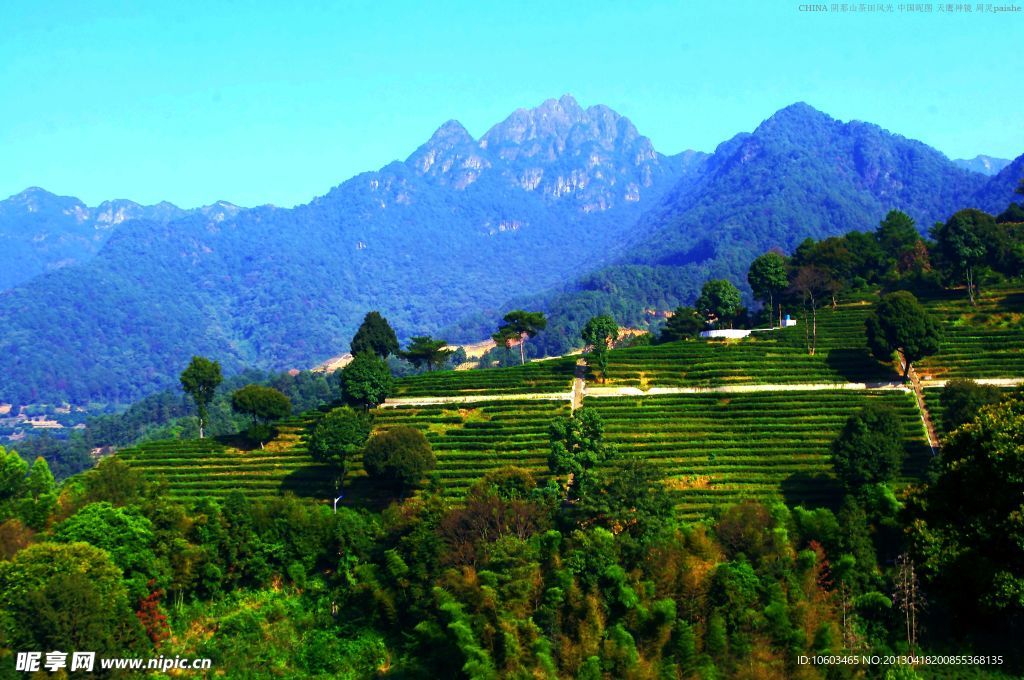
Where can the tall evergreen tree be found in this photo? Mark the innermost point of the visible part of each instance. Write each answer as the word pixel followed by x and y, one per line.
pixel 599 333
pixel 424 350
pixel 375 335
pixel 896 234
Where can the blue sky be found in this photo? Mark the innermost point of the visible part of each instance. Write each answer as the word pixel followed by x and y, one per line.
pixel 272 102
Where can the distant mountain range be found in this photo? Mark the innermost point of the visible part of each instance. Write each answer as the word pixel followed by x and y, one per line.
pixel 40 231
pixel 986 165
pixel 568 208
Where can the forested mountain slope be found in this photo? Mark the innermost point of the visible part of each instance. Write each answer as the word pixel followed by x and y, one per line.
pixel 559 207
pixel 462 225
pixel 998 192
pixel 800 174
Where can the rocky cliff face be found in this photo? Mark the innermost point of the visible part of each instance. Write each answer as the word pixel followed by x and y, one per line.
pixel 593 158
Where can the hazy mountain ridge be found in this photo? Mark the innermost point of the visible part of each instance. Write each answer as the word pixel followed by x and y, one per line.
pixel 1000 191
pixel 986 165
pixel 40 231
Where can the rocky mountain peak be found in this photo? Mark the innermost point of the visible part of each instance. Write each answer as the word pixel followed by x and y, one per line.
pixel 35 199
pixel 556 149
pixel 795 119
pixel 541 130
pixel 449 135
pixel 450 156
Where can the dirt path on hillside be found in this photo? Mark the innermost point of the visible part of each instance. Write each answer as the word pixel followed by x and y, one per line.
pixel 471 398
pixel 922 406
pixel 736 389
pixel 575 397
pixel 579 383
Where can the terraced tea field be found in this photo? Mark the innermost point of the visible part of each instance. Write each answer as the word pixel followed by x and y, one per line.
pixel 716 448
pixel 551 375
pixel 763 358
pixel 207 468
pixel 468 441
pixel 719 449
pixel 478 437
pixel 982 341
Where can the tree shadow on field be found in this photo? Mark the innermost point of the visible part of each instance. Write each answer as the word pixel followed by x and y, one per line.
pixel 310 481
pixel 317 481
pixel 857 365
pixel 812 490
pixel 1013 302
pixel 917 460
pixel 237 441
pixel 363 492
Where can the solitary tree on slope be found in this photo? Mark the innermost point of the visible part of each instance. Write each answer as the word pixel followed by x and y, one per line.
pixel 600 332
pixel 519 326
pixel 424 350
pixel 263 405
pixel 200 381
pixel 901 323
pixel 719 300
pixel 767 278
